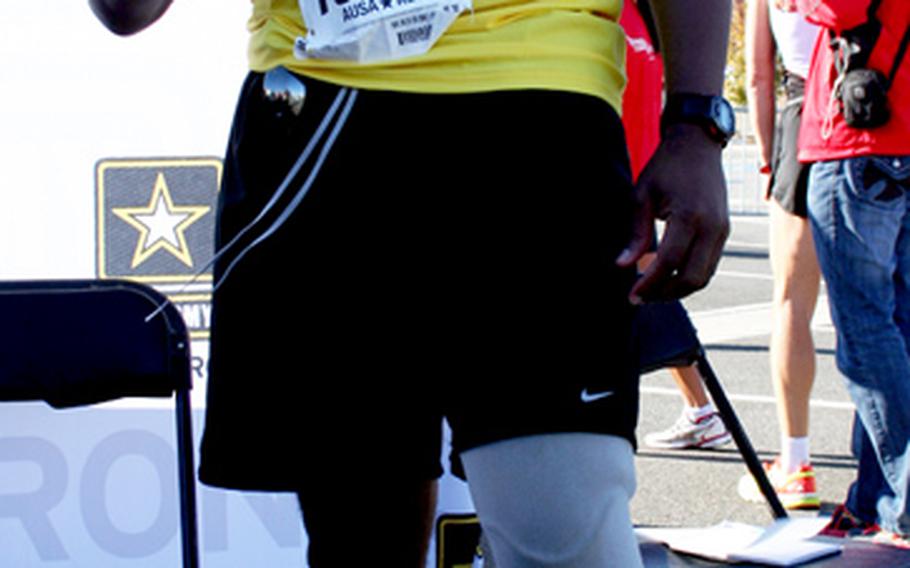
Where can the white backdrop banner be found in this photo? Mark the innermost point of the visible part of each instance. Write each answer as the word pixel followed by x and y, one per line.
pixel 98 487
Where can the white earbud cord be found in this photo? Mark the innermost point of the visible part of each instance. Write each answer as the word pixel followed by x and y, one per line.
pixel 304 189
pixel 282 188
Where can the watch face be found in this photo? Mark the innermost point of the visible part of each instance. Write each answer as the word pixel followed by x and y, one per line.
pixel 723 115
pixel 713 113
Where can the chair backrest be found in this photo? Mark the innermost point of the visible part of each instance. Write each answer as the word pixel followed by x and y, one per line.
pixel 79 342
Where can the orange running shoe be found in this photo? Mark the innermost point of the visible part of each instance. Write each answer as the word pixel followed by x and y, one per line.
pixel 795 490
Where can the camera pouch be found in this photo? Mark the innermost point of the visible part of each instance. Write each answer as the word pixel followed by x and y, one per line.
pixel 864 96
pixel 862 91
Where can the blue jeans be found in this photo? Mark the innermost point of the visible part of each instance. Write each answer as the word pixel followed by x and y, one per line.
pixel 859 210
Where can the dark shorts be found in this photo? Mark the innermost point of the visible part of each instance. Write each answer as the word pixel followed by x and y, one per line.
pixel 453 256
pixel 789 177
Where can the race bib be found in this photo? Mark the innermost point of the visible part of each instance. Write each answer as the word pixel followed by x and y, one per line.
pixel 374 30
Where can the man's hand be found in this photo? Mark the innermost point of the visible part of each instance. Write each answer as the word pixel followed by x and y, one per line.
pixel 126 17
pixel 684 185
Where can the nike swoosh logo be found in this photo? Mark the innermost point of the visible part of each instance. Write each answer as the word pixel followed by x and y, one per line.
pixel 587 397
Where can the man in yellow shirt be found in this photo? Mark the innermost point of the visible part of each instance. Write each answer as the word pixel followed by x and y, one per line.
pixel 451 179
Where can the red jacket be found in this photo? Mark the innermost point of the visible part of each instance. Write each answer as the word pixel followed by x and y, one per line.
pixel 823 134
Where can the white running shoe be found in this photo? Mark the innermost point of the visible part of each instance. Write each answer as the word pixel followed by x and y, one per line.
pixel 706 432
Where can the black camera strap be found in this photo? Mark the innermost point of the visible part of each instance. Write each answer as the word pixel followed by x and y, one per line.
pixel 901 50
pixel 852 47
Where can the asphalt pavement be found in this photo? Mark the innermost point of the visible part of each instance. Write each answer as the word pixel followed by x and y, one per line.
pixel 699 488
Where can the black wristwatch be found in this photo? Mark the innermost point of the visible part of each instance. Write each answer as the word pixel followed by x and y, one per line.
pixel 713 113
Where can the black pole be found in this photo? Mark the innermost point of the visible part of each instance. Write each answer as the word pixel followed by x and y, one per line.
pixel 728 415
pixel 187 479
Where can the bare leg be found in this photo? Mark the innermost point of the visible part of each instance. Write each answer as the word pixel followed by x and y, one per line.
pixel 690 386
pixel 792 352
pixel 687 379
pixel 698 426
pixel 796 285
pixel 407 508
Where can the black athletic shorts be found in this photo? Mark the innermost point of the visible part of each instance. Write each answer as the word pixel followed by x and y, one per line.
pixel 789 177
pixel 453 255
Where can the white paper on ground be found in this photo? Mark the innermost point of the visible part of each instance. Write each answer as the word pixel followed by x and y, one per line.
pixel 784 543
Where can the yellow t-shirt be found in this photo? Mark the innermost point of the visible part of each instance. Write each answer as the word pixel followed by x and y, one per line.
pixel 565 45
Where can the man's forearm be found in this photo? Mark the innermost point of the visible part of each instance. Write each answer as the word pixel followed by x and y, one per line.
pixel 125 17
pixel 693 35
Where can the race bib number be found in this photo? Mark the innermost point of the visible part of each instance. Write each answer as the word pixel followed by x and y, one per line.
pixel 374 30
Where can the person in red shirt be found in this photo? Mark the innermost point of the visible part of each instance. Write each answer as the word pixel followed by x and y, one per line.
pixel 699 425
pixel 643 98
pixel 859 208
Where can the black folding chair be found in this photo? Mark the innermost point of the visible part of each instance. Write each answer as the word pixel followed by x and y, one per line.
pixel 81 342
pixel 667 338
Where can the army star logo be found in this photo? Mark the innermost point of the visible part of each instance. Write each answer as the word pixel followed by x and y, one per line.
pixel 161 224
